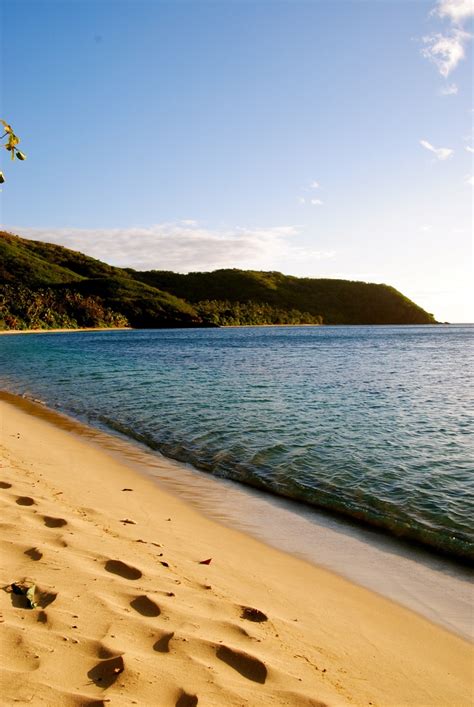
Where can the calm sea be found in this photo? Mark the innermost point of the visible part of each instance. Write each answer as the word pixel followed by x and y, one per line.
pixel 373 423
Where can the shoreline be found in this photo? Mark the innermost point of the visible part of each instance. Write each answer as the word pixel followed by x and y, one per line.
pixel 433 586
pixel 223 326
pixel 63 331
pixel 325 640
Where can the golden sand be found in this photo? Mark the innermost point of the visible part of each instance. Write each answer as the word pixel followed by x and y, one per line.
pixel 129 614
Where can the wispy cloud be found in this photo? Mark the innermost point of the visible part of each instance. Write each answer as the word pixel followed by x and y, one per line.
pixel 469 149
pixel 449 90
pixel 442 153
pixel 447 49
pixel 470 180
pixel 308 200
pixel 184 247
pixel 457 10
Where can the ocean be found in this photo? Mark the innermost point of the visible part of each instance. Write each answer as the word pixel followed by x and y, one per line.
pixel 372 424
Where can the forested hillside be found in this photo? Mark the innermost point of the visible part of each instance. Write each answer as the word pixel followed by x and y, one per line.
pixel 48 286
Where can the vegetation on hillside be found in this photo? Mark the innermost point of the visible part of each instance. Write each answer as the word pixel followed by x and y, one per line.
pixel 336 301
pixel 45 308
pixel 45 286
pixel 227 313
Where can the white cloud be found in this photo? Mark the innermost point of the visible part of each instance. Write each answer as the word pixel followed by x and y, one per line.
pixel 456 10
pixel 448 90
pixel 442 153
pixel 470 180
pixel 315 185
pixel 184 247
pixel 446 50
pixel 426 228
pixel 469 149
pixel 317 202
pixel 301 200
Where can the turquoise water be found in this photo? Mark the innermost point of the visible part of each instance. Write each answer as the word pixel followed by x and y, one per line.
pixel 369 422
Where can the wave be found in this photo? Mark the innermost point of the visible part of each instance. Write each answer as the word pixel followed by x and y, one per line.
pixel 376 513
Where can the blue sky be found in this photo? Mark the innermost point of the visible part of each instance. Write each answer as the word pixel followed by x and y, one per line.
pixel 323 138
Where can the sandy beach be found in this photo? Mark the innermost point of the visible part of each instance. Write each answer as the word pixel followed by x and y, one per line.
pixel 10 332
pixel 128 611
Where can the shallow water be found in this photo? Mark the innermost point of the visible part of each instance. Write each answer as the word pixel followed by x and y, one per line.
pixel 370 422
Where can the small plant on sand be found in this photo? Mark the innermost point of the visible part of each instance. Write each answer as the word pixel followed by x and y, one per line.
pixel 11 145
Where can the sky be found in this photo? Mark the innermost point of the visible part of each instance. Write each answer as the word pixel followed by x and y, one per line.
pixel 320 138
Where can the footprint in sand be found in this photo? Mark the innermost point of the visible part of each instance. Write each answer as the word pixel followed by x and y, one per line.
pixel 46 598
pixel 33 553
pixel 104 652
pixel 253 614
pixel 19 656
pixel 42 617
pixel 123 570
pixel 186 700
pixel 162 645
pixel 51 522
pixel 247 665
pixel 25 501
pixel 5 485
pixel 145 606
pixel 105 673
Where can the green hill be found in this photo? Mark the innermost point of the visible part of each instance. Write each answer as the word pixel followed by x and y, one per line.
pixel 45 286
pixel 48 286
pixel 336 301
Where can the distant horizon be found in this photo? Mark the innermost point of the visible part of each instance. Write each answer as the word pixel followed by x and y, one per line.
pixel 319 139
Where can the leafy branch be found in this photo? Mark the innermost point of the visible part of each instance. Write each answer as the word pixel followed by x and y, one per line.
pixel 11 145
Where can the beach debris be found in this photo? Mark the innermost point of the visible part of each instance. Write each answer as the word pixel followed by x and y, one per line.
pixel 127 489
pixel 128 521
pixel 34 554
pixel 206 562
pixel 27 590
pixel 5 485
pixel 253 614
pixel 165 564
